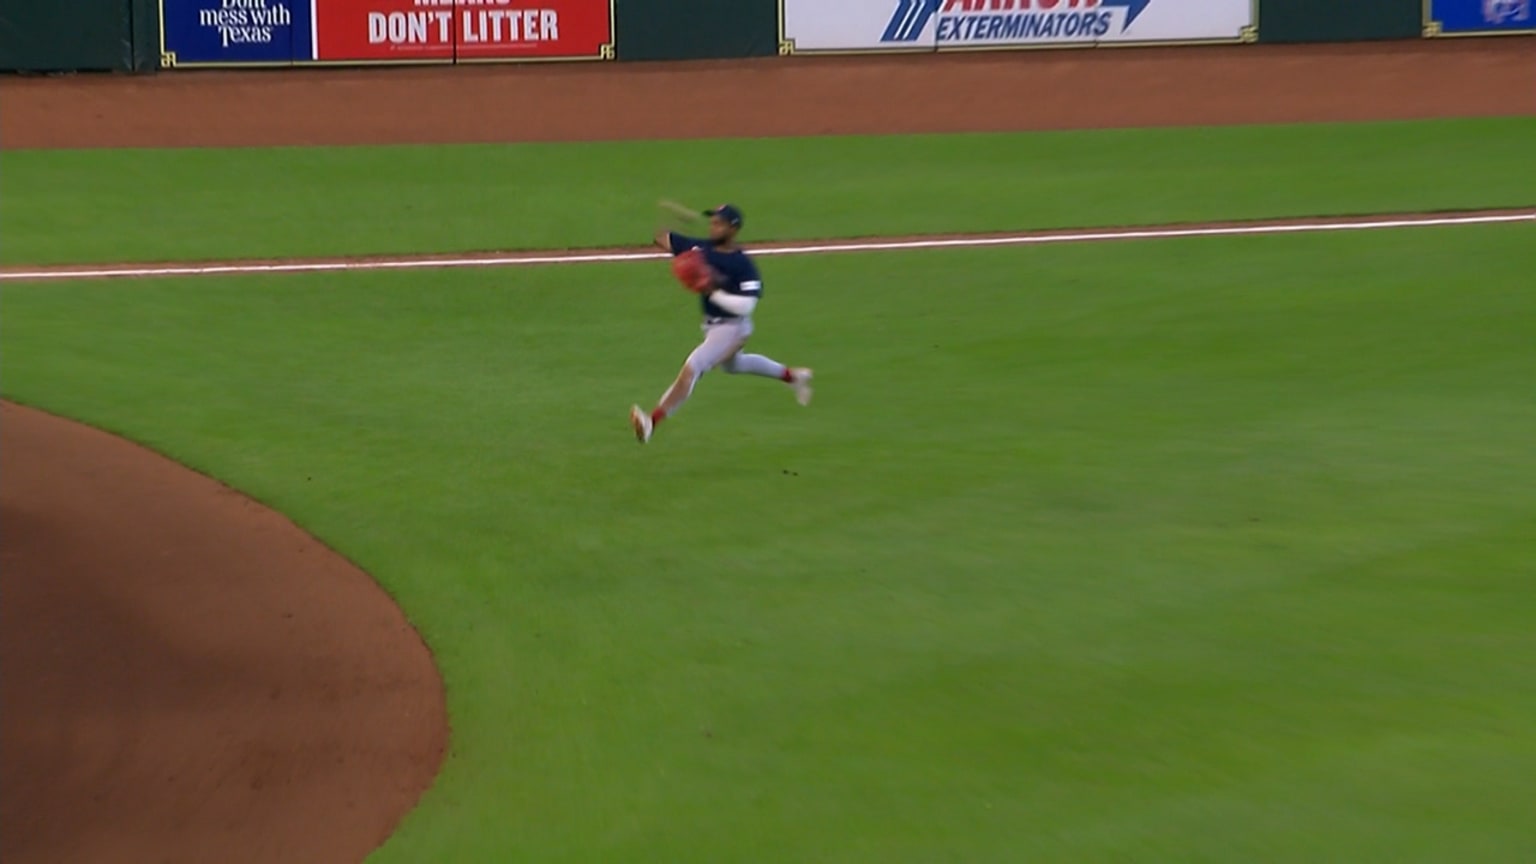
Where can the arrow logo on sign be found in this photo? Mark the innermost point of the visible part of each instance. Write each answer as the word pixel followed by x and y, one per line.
pixel 910 19
pixel 1133 9
pixel 912 16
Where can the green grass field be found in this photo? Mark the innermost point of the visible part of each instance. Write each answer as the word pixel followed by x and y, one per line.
pixel 136 205
pixel 1200 550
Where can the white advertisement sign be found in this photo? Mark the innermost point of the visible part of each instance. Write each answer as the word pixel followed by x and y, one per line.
pixel 926 25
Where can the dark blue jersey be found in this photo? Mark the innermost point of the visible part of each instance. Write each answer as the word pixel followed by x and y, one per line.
pixel 738 274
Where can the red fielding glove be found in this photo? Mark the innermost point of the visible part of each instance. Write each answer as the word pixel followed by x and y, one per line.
pixel 693 271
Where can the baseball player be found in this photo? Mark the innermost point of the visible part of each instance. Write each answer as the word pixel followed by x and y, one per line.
pixel 728 298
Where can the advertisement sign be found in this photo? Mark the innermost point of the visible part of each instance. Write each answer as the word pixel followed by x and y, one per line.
pixel 391 31
pixel 811 26
pixel 283 32
pixel 1479 17
pixel 808 26
pixel 534 29
pixel 233 32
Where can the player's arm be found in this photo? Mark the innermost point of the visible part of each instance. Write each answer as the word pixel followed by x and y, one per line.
pixel 741 301
pixel 668 239
pixel 736 304
pixel 677 243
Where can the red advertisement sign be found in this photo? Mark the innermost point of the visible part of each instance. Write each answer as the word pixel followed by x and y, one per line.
pixel 398 30
pixel 444 30
pixel 508 29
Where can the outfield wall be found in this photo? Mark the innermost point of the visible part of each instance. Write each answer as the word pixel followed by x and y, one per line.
pixel 148 35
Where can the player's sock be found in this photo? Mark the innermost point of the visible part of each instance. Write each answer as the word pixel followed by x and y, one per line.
pixel 657 415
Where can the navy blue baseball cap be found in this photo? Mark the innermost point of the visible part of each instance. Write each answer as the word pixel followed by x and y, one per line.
pixel 729 212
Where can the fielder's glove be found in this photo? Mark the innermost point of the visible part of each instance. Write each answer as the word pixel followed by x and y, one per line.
pixel 693 271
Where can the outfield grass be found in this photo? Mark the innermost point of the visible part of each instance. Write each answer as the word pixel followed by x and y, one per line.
pixel 1197 550
pixel 137 205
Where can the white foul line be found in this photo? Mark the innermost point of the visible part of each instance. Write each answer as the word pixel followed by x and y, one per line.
pixel 1040 238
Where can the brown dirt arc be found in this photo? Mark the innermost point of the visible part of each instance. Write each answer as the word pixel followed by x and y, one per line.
pixel 186 676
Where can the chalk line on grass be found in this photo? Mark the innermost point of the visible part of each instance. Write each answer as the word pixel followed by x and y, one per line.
pixel 807 248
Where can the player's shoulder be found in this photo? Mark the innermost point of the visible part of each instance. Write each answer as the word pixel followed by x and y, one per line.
pixel 746 257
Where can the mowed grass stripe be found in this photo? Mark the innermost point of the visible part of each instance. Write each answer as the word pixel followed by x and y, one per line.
pixel 109 206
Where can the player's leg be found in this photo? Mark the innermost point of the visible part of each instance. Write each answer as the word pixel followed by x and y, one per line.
pixel 757 364
pixel 720 342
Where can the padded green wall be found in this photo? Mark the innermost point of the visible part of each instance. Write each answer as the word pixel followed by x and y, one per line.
pixel 1339 20
pixel 79 35
pixel 696 29
pixel 65 35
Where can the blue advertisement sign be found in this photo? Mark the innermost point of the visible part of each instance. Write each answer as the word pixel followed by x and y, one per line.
pixel 1479 17
pixel 236 32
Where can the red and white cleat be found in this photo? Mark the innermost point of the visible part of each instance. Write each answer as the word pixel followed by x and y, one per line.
pixel 642 423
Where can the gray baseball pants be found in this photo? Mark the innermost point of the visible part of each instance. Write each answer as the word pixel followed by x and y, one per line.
pixel 721 349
